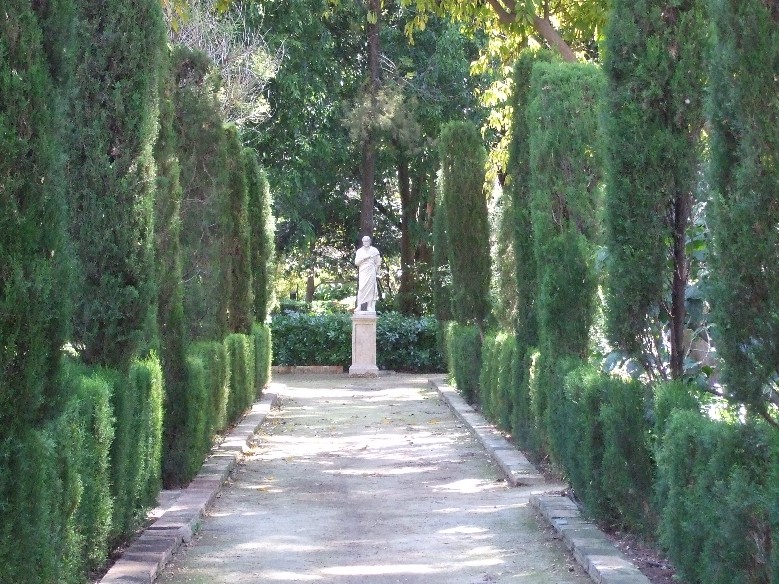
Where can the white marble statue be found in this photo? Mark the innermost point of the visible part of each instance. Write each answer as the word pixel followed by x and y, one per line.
pixel 367 260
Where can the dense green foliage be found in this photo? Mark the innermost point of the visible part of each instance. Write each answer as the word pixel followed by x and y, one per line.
pixel 652 119
pixel 90 241
pixel 261 235
pixel 34 299
pixel 55 486
pixel 745 183
pixel 170 285
pixel 263 354
pixel 463 161
pixel 119 58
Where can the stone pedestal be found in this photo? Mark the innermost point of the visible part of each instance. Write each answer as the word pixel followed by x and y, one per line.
pixel 364 345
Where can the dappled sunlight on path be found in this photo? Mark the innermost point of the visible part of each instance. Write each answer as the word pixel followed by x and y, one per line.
pixel 369 481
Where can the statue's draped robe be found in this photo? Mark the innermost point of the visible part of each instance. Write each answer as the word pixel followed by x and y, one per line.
pixel 367 259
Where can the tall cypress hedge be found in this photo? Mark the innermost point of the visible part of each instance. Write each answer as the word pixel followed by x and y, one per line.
pixel 261 235
pixel 565 179
pixel 112 169
pixel 518 189
pixel 237 237
pixel 201 147
pixel 743 112
pixel 170 287
pixel 463 159
pixel 653 118
pixel 34 301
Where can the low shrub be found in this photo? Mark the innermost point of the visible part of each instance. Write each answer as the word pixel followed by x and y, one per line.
pixel 312 339
pixel 403 343
pixel 464 355
pixel 488 375
pixel 407 343
pixel 33 514
pixel 188 437
pixel 91 419
pixel 497 377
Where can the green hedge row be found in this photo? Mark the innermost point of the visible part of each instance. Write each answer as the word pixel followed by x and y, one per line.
pixel 404 343
pixel 648 460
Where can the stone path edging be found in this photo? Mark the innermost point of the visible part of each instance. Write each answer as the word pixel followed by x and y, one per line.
pixel 142 562
pixel 604 563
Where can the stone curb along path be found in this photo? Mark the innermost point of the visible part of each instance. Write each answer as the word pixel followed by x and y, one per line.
pixel 142 562
pixel 604 563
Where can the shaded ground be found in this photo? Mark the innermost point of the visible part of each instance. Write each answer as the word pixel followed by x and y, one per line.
pixel 370 481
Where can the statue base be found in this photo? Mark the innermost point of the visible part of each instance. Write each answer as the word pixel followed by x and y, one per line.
pixel 364 345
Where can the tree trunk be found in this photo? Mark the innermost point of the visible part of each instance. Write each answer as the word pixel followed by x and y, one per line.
pixel 681 217
pixel 507 14
pixel 368 167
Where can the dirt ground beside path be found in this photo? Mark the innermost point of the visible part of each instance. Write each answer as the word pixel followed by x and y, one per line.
pixel 370 481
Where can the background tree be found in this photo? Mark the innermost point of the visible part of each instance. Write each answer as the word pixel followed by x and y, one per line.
pixel 745 182
pixel 238 52
pixel 654 66
pixel 304 145
pixel 578 23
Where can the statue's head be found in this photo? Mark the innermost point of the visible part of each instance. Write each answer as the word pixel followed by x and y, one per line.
pixel 366 241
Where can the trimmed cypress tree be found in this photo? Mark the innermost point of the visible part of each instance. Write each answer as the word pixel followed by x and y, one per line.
pixel 201 148
pixel 262 236
pixel 654 67
pixel 237 236
pixel 743 112
pixel 170 292
pixel 34 302
pixel 463 160
pixel 518 189
pixel 113 177
pixel 565 178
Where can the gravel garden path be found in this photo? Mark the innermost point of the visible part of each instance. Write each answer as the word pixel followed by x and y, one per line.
pixel 370 481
